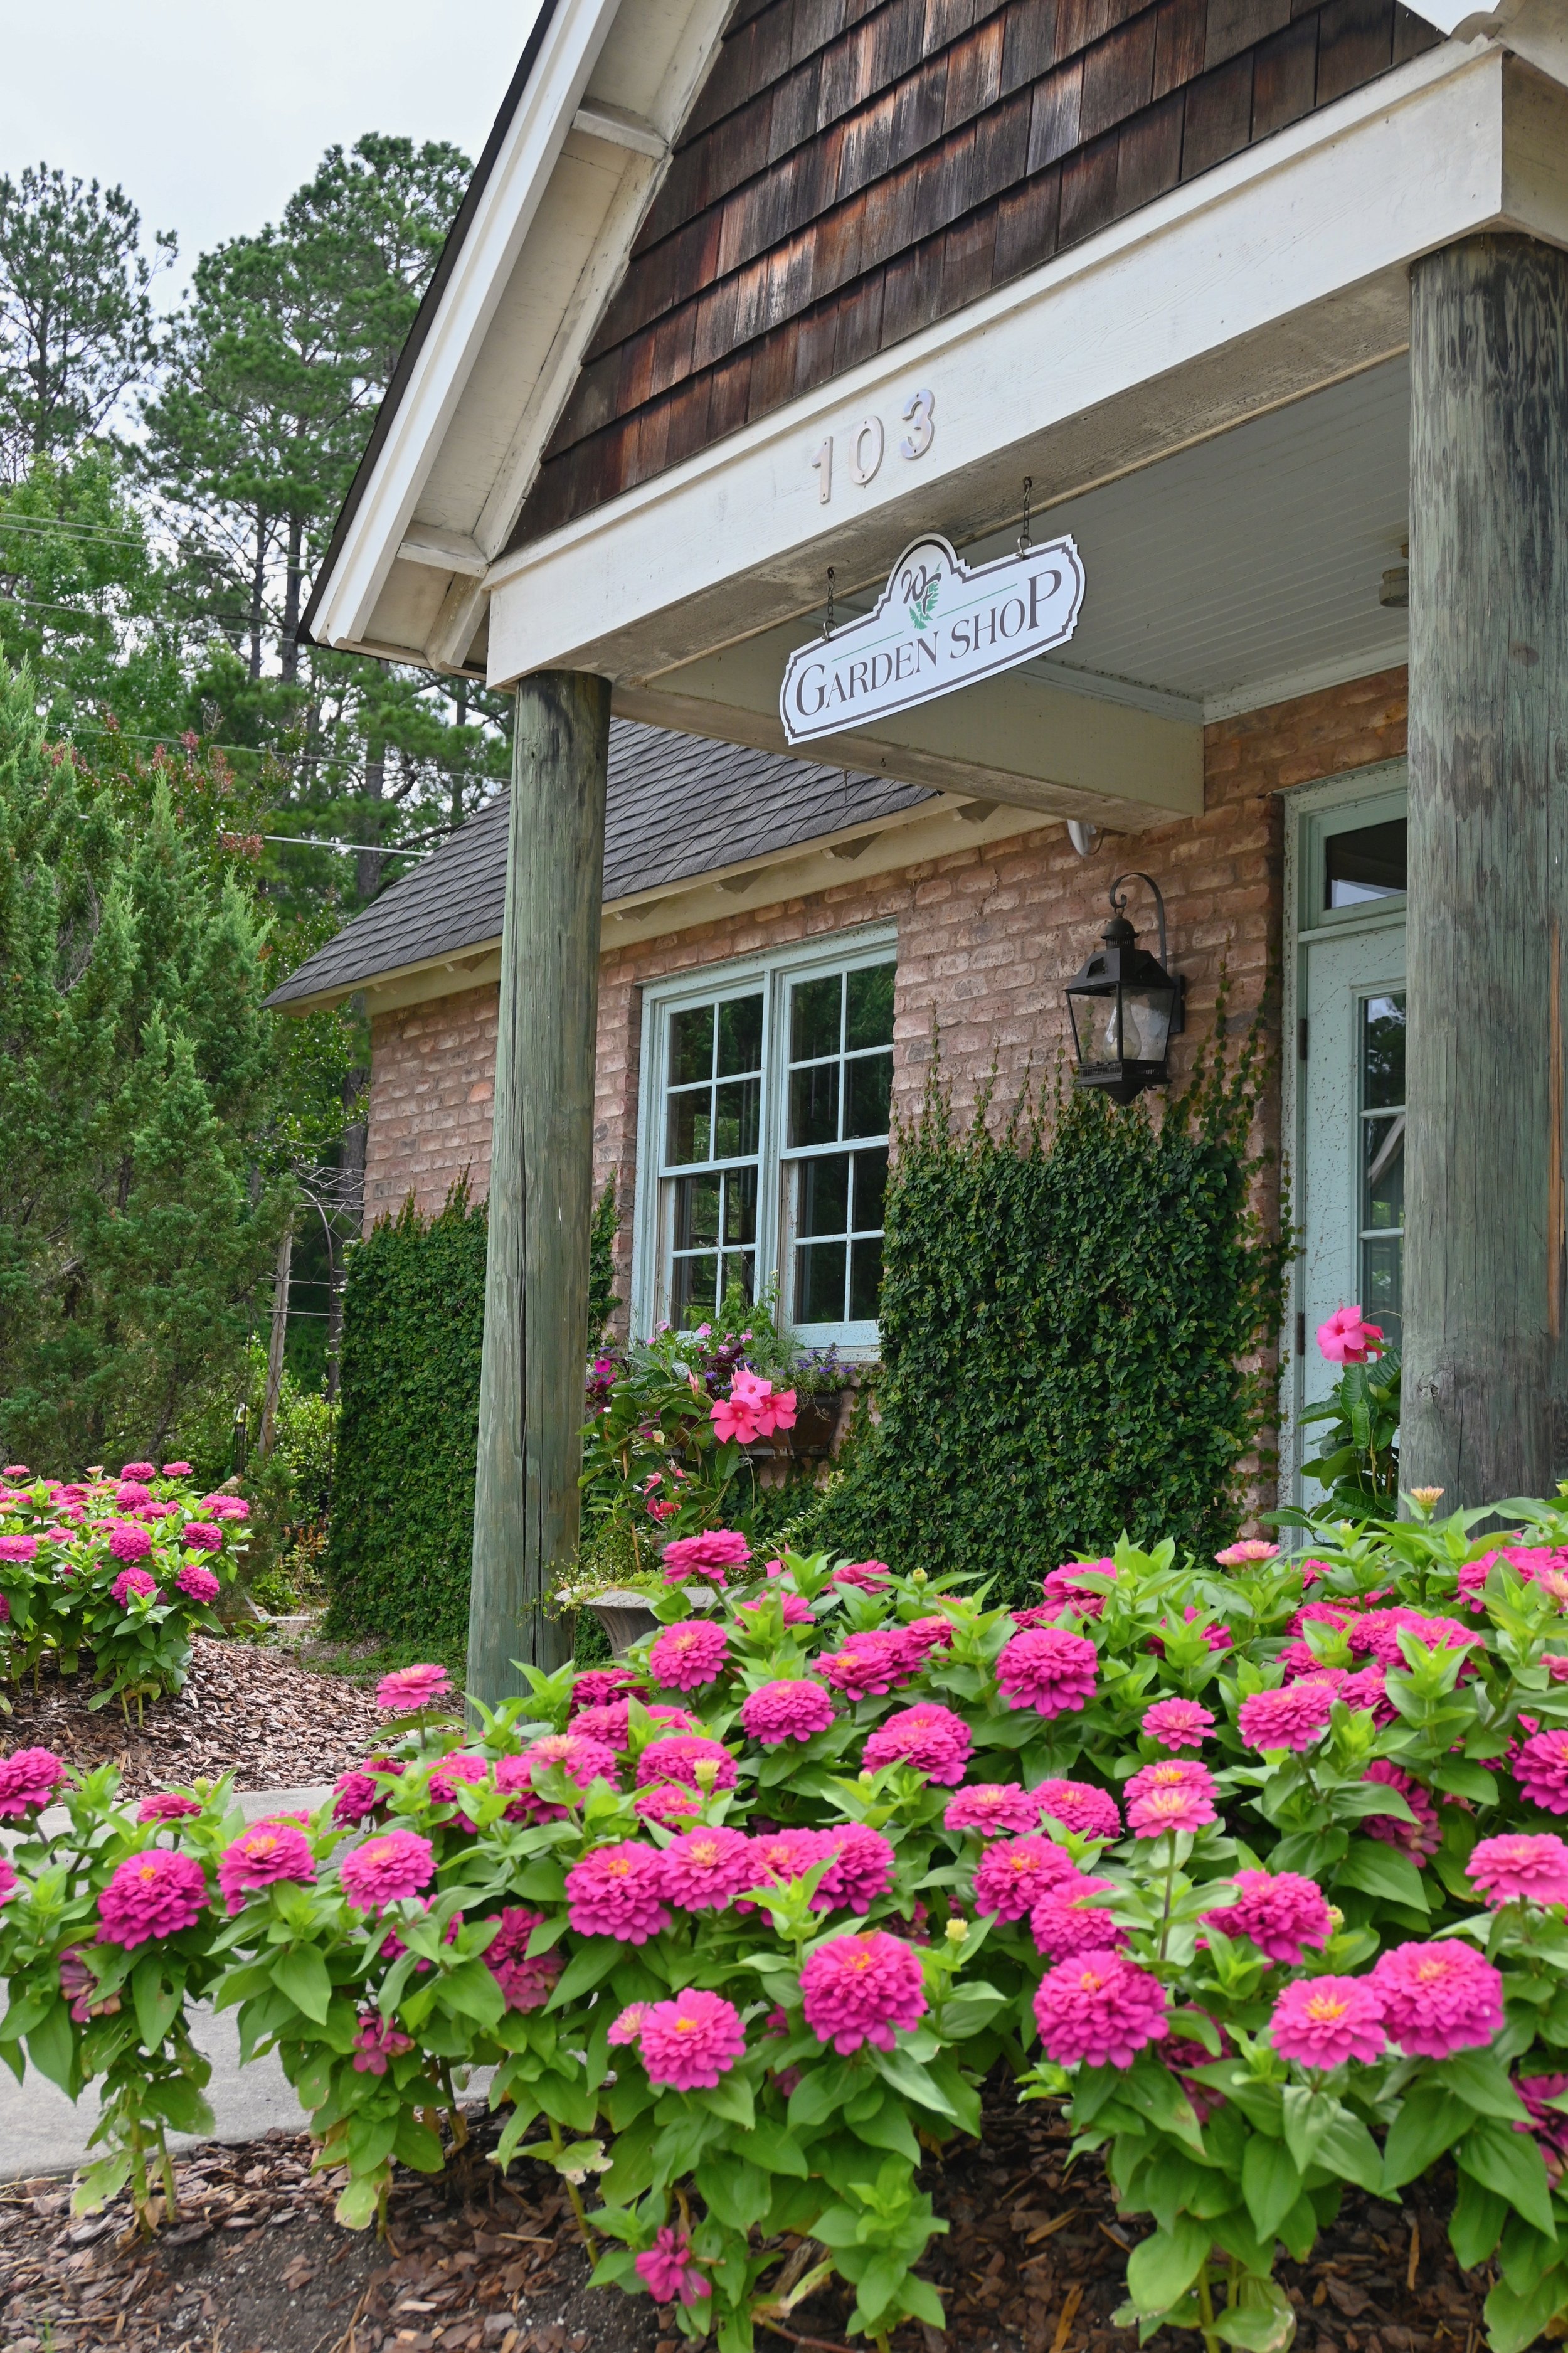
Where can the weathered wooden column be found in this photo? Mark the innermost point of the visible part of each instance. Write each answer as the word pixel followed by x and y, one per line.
pixel 536 1282
pixel 1485 1380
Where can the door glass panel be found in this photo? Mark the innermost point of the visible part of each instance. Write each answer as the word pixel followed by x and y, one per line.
pixel 1382 1157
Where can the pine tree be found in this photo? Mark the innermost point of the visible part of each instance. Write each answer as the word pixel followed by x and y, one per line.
pixel 142 1189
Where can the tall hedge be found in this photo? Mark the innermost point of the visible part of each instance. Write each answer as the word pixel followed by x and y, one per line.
pixel 1071 1308
pixel 401 1539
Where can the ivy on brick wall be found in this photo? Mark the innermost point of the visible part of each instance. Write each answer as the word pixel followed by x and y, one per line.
pixel 400 1541
pixel 1071 1311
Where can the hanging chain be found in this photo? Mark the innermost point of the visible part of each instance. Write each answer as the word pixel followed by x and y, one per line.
pixel 827 625
pixel 1023 540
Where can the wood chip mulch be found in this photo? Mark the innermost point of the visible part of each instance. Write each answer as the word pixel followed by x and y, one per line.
pixel 487 2264
pixel 247 1708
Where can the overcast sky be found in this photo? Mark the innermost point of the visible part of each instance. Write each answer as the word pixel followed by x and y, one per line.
pixel 211 112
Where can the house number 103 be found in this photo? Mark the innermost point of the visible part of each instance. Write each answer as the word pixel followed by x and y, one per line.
pixel 868 443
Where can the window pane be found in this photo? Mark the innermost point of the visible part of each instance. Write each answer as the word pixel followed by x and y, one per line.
pixel 868 1093
pixel 737 1106
pixel 871 1190
pixel 819 1282
pixel 736 1266
pixel 1382 1173
pixel 868 1016
pixel 865 1280
pixel 739 1035
pixel 1368 863
pixel 822 1202
pixel 690 1127
pixel 696 1211
pixel 813 1103
pixel 691 1045
pixel 740 1206
pixel 813 1017
pixel 1381 1279
pixel 693 1290
pixel 1383 1053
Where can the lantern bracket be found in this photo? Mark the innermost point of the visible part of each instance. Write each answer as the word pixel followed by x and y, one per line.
pixel 1119 905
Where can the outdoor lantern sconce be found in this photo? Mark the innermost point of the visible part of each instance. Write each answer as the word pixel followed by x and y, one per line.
pixel 1125 1006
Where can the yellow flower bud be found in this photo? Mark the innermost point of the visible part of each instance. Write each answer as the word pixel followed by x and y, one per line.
pixel 956 1931
pixel 705 1772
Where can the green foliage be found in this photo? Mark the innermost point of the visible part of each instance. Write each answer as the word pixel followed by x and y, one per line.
pixel 1359 1459
pixel 401 1542
pixel 1068 1308
pixel 137 1207
pixel 602 1300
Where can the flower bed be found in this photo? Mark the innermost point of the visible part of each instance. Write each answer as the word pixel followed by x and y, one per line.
pixel 1251 1868
pixel 128 1568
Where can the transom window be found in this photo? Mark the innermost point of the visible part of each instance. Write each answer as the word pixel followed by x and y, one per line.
pixel 766 1109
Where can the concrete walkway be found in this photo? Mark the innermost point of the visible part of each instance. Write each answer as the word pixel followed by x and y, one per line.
pixel 42 2133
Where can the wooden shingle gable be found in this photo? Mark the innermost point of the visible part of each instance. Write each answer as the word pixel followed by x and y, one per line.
pixel 850 173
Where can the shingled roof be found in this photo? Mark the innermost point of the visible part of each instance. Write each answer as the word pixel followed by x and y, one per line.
pixel 678 807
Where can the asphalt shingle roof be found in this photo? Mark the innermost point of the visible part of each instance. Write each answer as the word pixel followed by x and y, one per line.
pixel 678 807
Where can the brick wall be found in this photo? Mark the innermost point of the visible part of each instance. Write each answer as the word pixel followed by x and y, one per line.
pixel 987 936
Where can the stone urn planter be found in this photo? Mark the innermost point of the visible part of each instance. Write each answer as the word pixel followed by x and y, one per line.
pixel 624 1617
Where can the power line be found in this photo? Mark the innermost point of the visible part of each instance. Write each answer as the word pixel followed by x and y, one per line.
pixel 376 849
pixel 74 529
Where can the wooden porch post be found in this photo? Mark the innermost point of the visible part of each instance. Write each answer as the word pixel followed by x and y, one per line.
pixel 1486 1365
pixel 536 1282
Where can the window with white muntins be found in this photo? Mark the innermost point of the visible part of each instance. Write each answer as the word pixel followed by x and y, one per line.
pixel 767 1097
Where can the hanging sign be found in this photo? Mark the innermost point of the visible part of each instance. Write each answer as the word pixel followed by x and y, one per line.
pixel 938 625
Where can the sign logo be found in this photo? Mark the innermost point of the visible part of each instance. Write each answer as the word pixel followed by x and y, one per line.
pixel 938 625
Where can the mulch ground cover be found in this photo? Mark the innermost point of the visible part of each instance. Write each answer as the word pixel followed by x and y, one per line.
pixel 1033 2264
pixel 247 1708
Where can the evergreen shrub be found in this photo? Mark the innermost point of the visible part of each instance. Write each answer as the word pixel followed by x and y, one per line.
pixel 401 1538
pixel 1072 1305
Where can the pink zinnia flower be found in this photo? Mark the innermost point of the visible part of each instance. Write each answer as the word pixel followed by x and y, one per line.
pixel 1177 1723
pixel 130 1493
pixel 454 1771
pixel 28 1778
pixel 387 1870
pixel 1098 2008
pixel 668 1803
pixel 1292 1717
pixel 358 1794
pixel 1521 1867
pixel 1323 2022
pixel 226 1507
pixel 176 1469
pixel 705 1870
pixel 268 1852
pixel 869 1664
pixel 582 1758
pixel 9 1882
pixel 786 1711
pixel 1547 2123
pixel 140 1469
pixel 133 1581
pixel 923 1636
pixel 527 1984
pixel 865 1575
pixel 596 1686
pixel 689 2043
pixel 376 2043
pixel 1280 1912
pixel 685 1657
pixel 1348 1339
pixel 196 1583
pixel 862 1868
pixel 19 1548
pixel 676 1759
pixel 618 1891
pixel 931 1738
pixel 128 1541
pixel 1185 1807
pixel 18 1471
pixel 1011 1876
pixel 1064 1588
pixel 666 2269
pixel 794 1611
pixel 707 1555
pixel 624 2030
pixel 201 1535
pixel 1420 1838
pixel 407 1691
pixel 1080 1807
pixel 1248 1552
pixel 1438 1998
pixel 1067 1921
pixel 1048 1670
pixel 612 1721
pixel 785 1855
pixel 1169 1772
pixel 861 1988
pixel 994 1809
pixel 167 1806
pixel 157 1893
pixel 1540 1767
